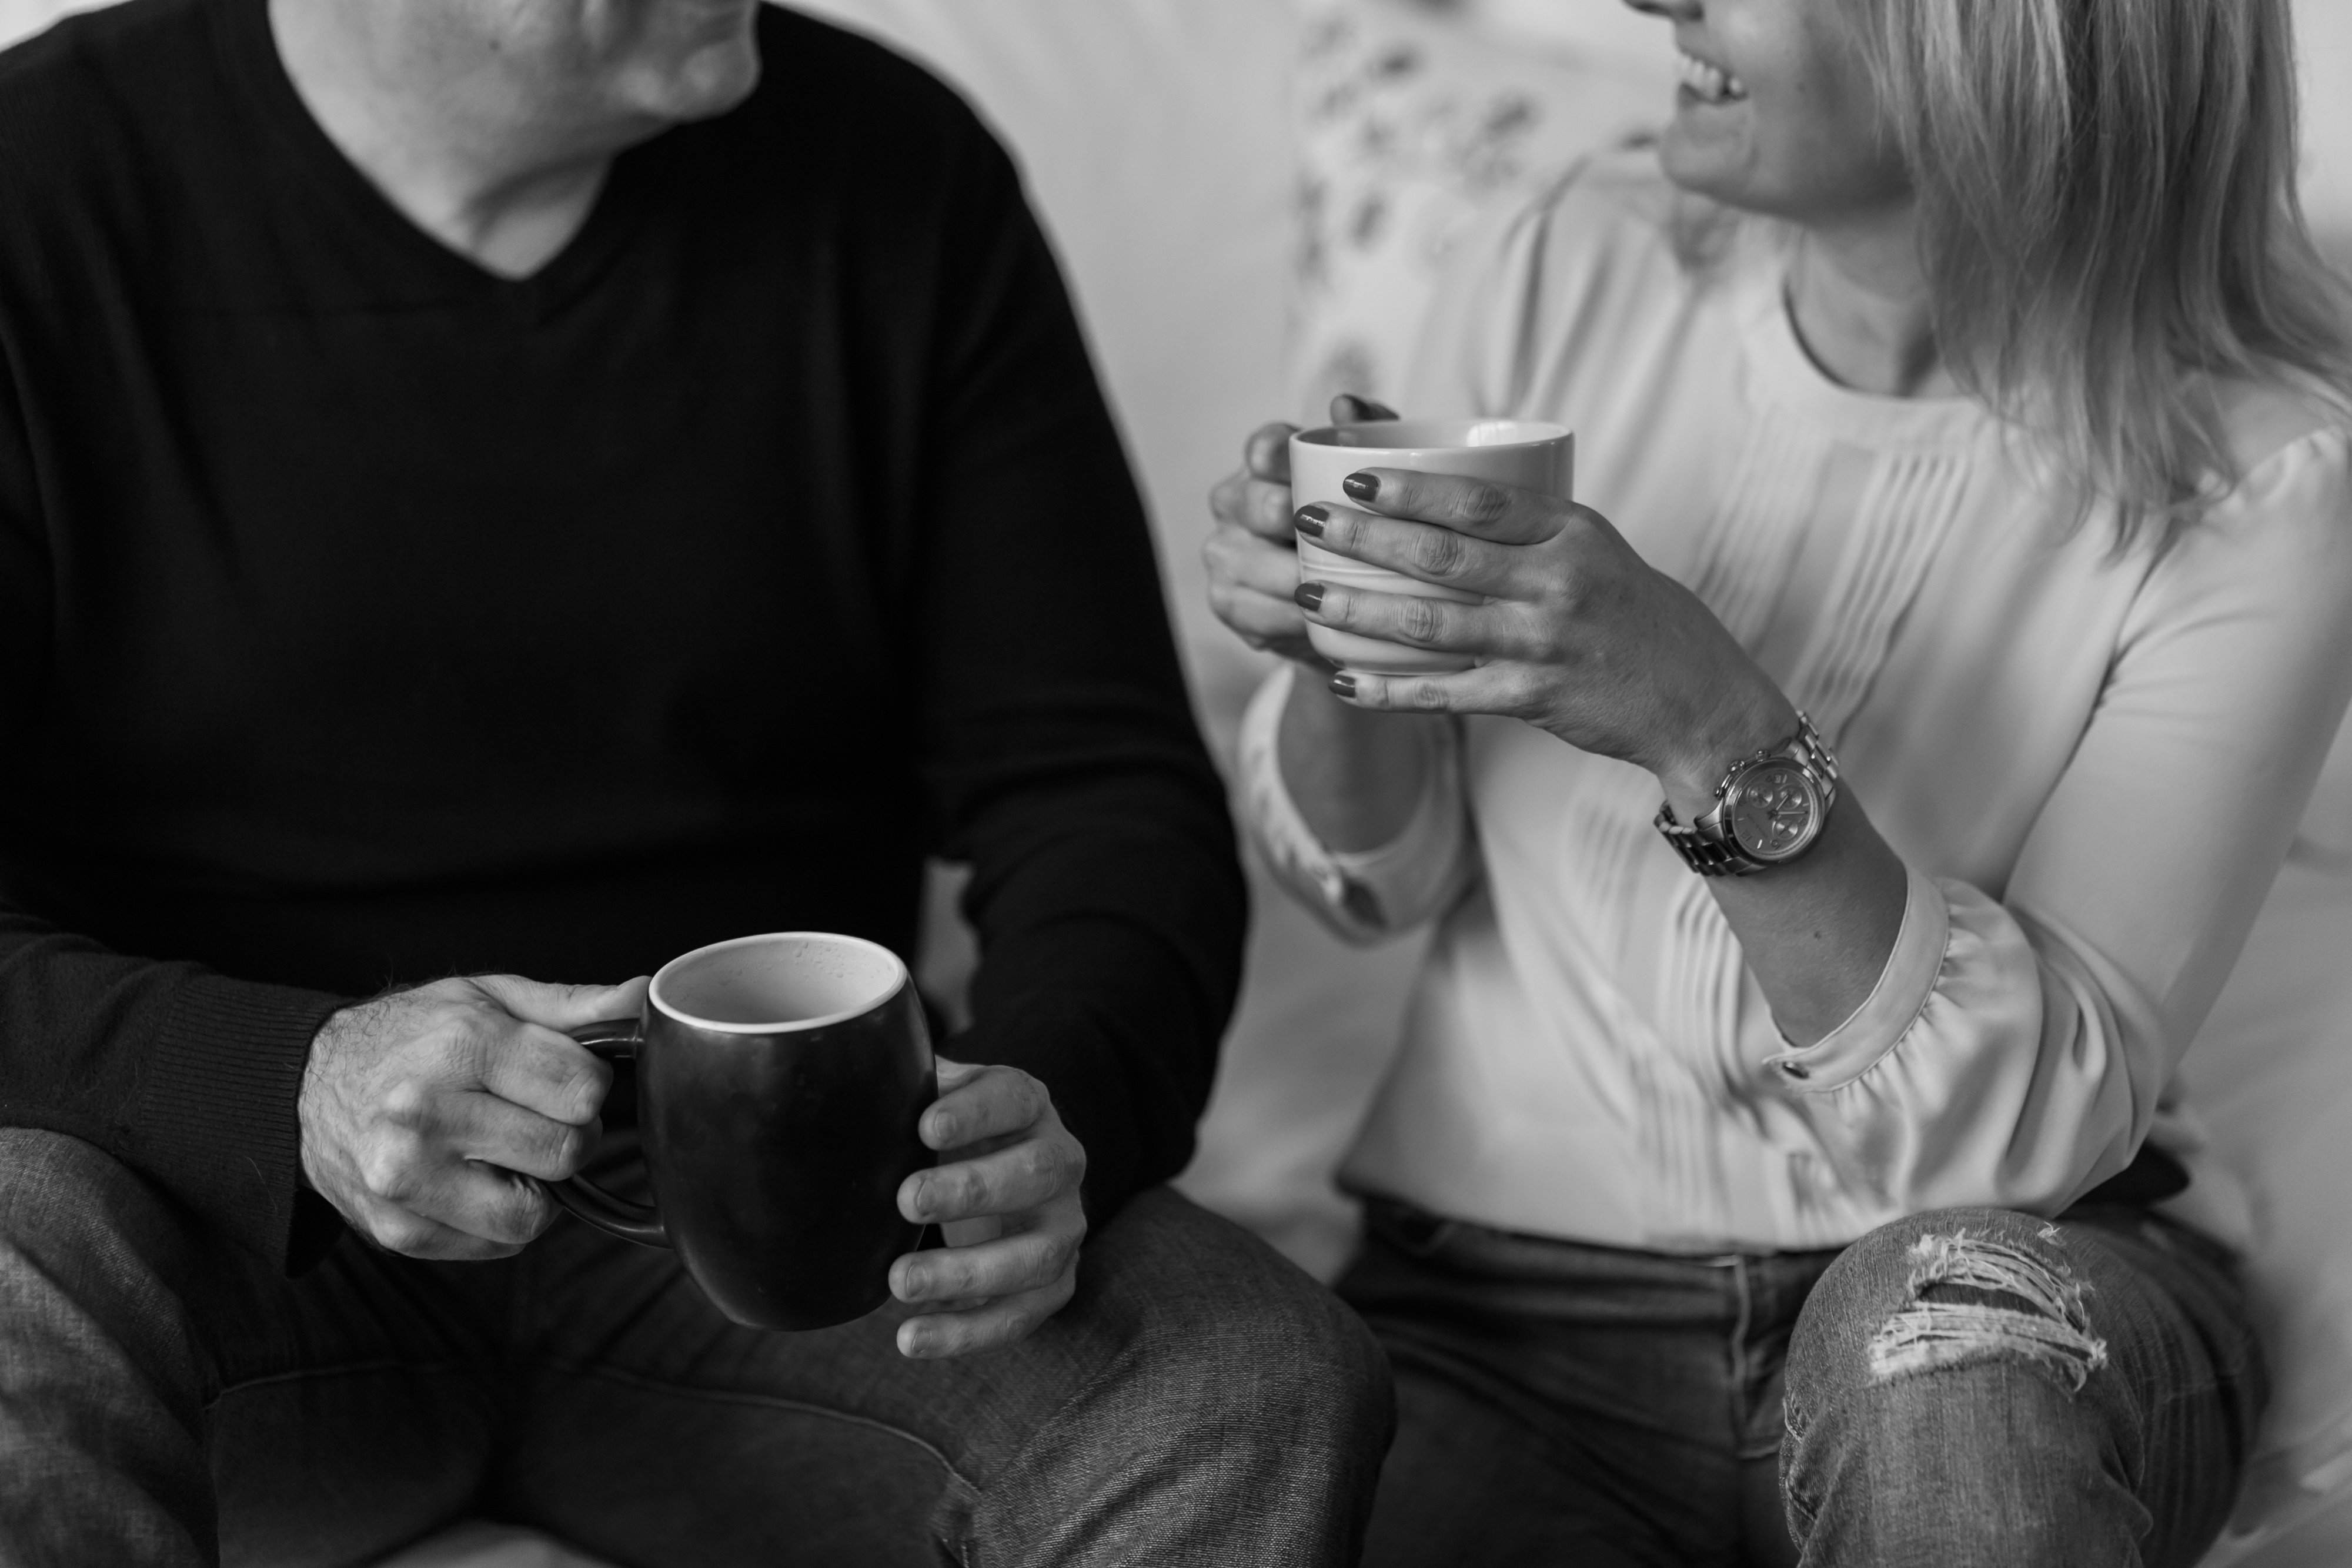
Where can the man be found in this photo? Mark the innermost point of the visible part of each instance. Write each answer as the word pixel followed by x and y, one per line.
pixel 501 487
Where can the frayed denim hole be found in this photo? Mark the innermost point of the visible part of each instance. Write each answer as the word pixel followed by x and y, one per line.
pixel 1975 1299
pixel 1976 1296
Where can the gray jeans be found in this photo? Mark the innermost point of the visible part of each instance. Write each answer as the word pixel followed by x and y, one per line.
pixel 1199 1401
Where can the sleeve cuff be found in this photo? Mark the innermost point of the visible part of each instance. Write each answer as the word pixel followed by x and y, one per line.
pixel 215 1118
pixel 1364 894
pixel 1895 1003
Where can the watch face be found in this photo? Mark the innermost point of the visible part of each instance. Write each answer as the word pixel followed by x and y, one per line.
pixel 1774 811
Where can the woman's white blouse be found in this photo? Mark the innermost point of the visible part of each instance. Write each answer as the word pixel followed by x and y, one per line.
pixel 2093 762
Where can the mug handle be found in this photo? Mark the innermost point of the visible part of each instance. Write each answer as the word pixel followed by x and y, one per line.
pixel 615 1039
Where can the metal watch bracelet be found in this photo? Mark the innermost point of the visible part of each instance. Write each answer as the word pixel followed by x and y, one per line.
pixel 1708 845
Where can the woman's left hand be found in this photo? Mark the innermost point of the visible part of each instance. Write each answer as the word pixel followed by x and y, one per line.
pixel 1579 635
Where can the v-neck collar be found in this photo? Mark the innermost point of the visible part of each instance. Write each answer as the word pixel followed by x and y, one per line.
pixel 425 265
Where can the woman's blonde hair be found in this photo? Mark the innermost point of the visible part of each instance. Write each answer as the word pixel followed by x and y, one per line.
pixel 2111 227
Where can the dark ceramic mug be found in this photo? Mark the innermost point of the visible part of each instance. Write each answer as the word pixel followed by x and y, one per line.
pixel 780 1082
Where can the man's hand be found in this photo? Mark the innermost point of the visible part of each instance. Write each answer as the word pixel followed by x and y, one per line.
pixel 425 1113
pixel 1011 1200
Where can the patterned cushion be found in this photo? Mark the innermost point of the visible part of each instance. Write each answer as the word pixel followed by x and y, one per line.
pixel 1412 122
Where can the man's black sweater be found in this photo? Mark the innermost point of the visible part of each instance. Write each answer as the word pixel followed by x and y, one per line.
pixel 366 617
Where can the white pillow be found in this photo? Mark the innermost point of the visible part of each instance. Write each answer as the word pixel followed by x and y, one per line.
pixel 2271 1077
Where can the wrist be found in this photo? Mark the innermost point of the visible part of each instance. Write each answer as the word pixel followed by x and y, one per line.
pixel 1764 719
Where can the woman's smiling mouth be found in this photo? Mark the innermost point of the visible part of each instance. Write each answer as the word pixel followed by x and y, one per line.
pixel 1707 83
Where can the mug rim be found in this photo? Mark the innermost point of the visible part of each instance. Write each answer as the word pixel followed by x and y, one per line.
pixel 897 965
pixel 1538 433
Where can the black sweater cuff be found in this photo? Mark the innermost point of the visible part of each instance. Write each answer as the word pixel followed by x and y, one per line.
pixel 215 1118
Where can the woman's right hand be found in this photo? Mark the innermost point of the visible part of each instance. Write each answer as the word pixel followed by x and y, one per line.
pixel 1252 553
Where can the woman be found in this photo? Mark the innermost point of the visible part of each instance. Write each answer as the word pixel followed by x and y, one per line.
pixel 1959 434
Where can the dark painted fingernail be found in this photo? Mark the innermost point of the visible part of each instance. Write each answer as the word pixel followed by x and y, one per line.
pixel 1309 596
pixel 1360 486
pixel 1344 684
pixel 1310 520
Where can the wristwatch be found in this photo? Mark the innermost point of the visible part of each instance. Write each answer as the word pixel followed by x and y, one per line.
pixel 1769 808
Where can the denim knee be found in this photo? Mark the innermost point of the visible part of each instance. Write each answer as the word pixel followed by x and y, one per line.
pixel 101 1379
pixel 1232 1406
pixel 77 1224
pixel 58 1191
pixel 1936 1384
pixel 1257 1343
pixel 1949 1289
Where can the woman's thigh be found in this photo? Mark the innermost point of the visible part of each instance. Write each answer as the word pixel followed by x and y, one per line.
pixel 1981 1386
pixel 1559 1403
pixel 1468 1481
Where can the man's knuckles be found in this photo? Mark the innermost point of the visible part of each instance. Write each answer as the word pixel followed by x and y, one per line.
pixel 556 1152
pixel 957 1192
pixel 393 1164
pixel 578 1083
pixel 517 1213
pixel 1036 1260
pixel 407 1105
pixel 1022 1176
pixel 992 1102
pixel 1052 1166
pixel 1060 1250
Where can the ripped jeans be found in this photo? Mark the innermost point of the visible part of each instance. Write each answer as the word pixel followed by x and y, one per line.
pixel 1963 1388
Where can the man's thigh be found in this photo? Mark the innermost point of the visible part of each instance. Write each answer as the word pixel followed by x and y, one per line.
pixel 163 1395
pixel 1198 1400
pixel 352 1410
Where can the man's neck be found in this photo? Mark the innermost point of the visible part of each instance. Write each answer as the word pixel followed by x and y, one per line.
pixel 438 123
pixel 1860 299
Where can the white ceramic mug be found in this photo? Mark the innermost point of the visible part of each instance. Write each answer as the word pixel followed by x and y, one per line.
pixel 1520 452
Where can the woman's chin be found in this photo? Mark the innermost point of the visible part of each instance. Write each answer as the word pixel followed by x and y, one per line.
pixel 1706 150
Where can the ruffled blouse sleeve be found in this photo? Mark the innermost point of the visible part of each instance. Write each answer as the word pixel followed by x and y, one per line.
pixel 2019 1038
